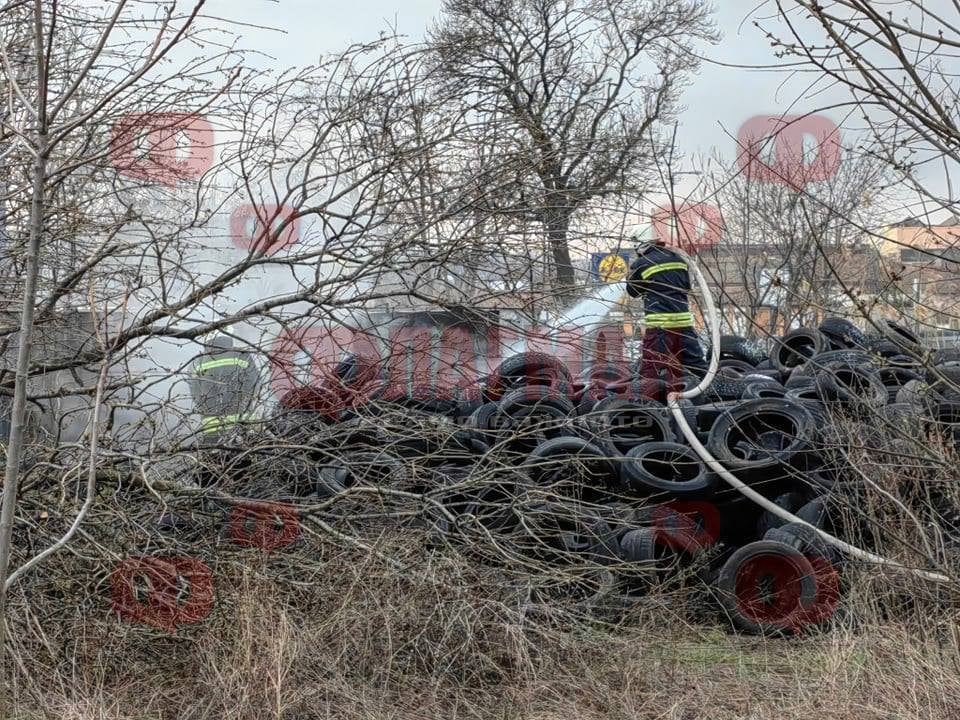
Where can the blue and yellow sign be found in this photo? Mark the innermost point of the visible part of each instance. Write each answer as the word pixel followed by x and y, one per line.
pixel 610 266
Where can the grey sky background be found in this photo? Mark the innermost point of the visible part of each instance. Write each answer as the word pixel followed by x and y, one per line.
pixel 723 96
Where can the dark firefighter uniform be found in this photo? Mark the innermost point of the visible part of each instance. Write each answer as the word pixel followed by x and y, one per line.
pixel 669 343
pixel 224 384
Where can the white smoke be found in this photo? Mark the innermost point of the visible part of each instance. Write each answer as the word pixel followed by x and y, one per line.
pixel 593 310
pixel 159 405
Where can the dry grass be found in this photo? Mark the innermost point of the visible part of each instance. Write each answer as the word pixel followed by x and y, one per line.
pixel 412 628
pixel 442 637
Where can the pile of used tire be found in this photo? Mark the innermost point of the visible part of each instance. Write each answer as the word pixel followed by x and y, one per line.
pixel 559 469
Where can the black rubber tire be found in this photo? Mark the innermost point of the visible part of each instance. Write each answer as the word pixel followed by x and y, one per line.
pixel 758 390
pixel 493 504
pixel 357 433
pixel 603 538
pixel 417 434
pixel 609 372
pixel 944 375
pixel 706 415
pixel 639 390
pixel 797 347
pixel 853 385
pixel 466 408
pixel 688 527
pixel 847 357
pixel 484 418
pixel 794 588
pixel 422 399
pixel 774 376
pixel 740 366
pixel 904 361
pixel 624 424
pixel 547 528
pixel 771 377
pixel 460 448
pixel 722 389
pixel 901 337
pixel 548 461
pixel 735 347
pixel 945 355
pixel 894 378
pixel 799 380
pixel 666 467
pixel 791 502
pixel 805 395
pixel 298 426
pixel 758 435
pixel 804 539
pixel 536 397
pixel 354 369
pixel 729 373
pixel 322 480
pixel 530 415
pixel 620 515
pixel 815 512
pixel 592 539
pixel 886 348
pixel 563 531
pixel 822 480
pixel 648 559
pixel 639 545
pixel 373 469
pixel 529 368
pixel 946 416
pixel 919 395
pixel 843 333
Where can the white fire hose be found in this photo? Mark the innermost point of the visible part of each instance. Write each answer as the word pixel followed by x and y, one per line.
pixel 673 402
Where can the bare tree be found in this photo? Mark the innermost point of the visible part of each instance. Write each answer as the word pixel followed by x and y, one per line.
pixel 896 63
pixel 797 254
pixel 566 99
pixel 163 199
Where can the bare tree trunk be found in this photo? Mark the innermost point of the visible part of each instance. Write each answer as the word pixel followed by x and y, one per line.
pixel 558 226
pixel 11 478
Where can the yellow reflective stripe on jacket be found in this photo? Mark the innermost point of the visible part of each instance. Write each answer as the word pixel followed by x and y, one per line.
pixel 223 362
pixel 668 320
pixel 662 267
pixel 215 423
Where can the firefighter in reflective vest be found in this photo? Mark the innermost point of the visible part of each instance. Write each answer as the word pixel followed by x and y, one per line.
pixel 224 386
pixel 669 342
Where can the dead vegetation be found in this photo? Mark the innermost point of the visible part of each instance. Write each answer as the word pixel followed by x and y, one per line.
pixel 403 618
pixel 357 638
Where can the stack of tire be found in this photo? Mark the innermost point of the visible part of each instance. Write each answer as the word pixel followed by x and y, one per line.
pixel 595 467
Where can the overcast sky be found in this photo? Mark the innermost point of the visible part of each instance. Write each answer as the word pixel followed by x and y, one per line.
pixel 740 77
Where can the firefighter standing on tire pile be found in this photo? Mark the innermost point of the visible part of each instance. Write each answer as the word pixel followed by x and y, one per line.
pixel 224 385
pixel 661 276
